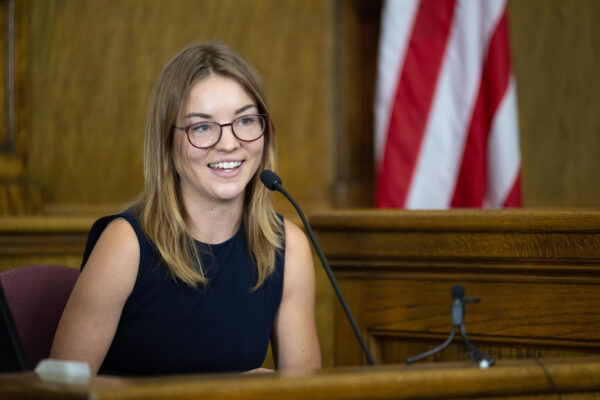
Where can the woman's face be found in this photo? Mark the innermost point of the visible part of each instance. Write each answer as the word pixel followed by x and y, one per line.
pixel 219 173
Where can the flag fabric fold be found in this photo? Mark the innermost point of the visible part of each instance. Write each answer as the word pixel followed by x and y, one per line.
pixel 446 127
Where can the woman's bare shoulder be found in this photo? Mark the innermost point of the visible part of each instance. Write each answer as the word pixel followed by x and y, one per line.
pixel 116 254
pixel 298 254
pixel 293 233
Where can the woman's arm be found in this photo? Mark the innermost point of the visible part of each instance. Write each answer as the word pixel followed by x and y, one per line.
pixel 295 343
pixel 89 321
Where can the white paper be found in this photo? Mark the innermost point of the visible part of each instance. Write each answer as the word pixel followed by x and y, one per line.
pixel 63 371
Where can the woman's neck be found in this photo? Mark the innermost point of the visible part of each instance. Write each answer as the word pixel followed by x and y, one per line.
pixel 214 223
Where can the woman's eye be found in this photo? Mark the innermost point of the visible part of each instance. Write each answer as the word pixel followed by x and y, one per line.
pixel 201 128
pixel 246 121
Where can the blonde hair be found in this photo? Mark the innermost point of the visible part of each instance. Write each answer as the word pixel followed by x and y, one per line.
pixel 160 208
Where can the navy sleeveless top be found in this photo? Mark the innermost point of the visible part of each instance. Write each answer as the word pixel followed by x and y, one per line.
pixel 167 327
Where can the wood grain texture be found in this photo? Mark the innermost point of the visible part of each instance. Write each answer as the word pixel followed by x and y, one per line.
pixel 93 63
pixel 18 196
pixel 576 378
pixel 555 47
pixel 13 134
pixel 537 273
pixel 28 240
pixel 3 71
pixel 90 66
pixel 358 34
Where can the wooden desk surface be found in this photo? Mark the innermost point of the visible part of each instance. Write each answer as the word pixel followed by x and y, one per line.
pixel 576 377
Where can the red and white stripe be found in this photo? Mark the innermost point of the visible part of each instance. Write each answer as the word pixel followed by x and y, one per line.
pixel 446 131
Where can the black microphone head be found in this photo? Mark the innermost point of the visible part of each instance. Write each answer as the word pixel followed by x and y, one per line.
pixel 458 292
pixel 270 179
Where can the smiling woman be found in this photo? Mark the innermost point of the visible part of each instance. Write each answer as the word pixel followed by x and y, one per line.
pixel 200 273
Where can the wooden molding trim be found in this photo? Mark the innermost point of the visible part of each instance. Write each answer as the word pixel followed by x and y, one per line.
pixel 468 220
pixel 540 379
pixel 40 236
pixel 451 238
pixel 489 340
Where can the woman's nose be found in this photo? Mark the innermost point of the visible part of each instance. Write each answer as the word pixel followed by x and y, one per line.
pixel 228 140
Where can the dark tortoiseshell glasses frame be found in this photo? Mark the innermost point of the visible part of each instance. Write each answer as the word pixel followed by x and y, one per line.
pixel 262 119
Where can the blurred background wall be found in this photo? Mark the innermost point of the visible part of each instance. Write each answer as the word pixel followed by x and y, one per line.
pixel 88 66
pixel 91 66
pixel 84 69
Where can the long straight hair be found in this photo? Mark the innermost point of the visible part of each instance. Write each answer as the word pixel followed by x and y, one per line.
pixel 160 208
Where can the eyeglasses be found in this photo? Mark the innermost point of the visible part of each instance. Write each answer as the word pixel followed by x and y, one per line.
pixel 205 134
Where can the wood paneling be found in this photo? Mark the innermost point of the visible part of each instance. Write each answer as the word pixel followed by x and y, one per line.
pixel 358 35
pixel 18 196
pixel 92 65
pixel 28 240
pixel 573 378
pixel 537 274
pixel 13 42
pixel 555 46
pixel 4 15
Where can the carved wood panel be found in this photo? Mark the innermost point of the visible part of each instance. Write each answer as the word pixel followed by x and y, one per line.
pixel 536 272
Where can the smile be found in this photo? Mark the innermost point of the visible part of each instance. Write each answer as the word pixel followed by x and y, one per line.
pixel 228 165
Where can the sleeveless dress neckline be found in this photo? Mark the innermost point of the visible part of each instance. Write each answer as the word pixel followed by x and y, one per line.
pixel 238 232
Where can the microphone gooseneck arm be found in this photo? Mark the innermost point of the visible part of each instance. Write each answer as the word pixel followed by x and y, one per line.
pixel 272 182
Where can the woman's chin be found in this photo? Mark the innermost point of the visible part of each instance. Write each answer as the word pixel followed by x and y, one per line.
pixel 229 194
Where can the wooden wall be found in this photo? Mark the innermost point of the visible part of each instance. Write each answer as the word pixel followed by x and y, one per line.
pixel 93 63
pixel 90 66
pixel 556 53
pixel 4 15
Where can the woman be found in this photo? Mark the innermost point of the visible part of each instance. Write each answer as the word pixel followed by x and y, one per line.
pixel 200 273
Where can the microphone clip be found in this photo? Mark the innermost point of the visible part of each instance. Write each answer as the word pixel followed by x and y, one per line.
pixel 457 311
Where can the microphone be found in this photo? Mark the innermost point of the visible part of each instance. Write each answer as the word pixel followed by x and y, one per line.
pixel 458 304
pixel 270 179
pixel 457 311
pixel 273 182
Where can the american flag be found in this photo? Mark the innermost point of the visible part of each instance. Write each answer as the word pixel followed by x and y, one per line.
pixel 446 127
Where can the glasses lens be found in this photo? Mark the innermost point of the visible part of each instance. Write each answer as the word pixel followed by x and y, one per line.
pixel 204 134
pixel 249 127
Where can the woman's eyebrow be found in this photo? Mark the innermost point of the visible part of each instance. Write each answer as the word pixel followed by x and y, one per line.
pixel 242 109
pixel 201 115
pixel 208 116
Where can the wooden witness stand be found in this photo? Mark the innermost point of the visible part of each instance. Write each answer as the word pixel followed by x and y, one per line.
pixel 575 377
pixel 537 274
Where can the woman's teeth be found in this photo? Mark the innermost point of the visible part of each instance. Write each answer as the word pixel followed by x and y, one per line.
pixel 226 165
